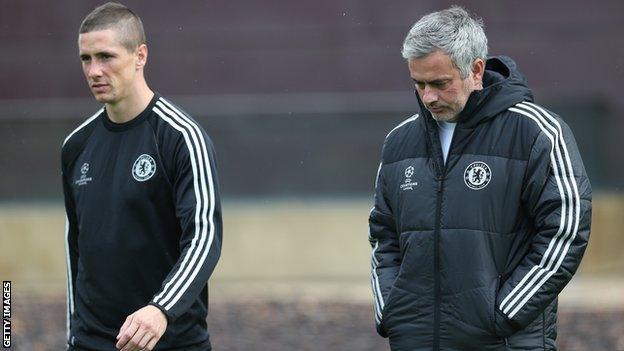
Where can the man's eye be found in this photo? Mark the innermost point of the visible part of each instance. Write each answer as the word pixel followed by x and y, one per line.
pixel 440 85
pixel 104 57
pixel 420 85
pixel 84 58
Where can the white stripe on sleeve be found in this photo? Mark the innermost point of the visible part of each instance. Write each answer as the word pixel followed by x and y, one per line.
pixel 205 207
pixel 199 237
pixel 569 218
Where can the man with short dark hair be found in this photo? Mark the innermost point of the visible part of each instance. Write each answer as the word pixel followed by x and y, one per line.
pixel 144 226
pixel 482 206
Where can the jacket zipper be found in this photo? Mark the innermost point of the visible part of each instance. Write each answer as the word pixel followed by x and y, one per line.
pixel 440 169
pixel 436 267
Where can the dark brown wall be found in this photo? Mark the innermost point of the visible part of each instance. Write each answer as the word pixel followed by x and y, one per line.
pixel 216 47
pixel 571 51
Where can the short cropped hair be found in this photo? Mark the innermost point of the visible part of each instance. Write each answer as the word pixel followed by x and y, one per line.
pixel 453 31
pixel 116 16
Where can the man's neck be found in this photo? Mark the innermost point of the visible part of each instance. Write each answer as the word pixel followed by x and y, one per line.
pixel 130 107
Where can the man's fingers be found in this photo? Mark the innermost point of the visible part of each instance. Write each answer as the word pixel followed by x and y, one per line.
pixel 142 330
pixel 127 334
pixel 125 325
pixel 133 344
pixel 151 344
pixel 145 341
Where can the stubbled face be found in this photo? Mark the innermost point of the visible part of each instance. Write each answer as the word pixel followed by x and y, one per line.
pixel 440 86
pixel 111 70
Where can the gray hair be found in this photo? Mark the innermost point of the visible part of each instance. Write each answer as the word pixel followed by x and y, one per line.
pixel 454 32
pixel 116 16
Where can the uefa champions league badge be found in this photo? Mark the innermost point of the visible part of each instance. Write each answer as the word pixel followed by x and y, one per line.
pixel 84 175
pixel 408 184
pixel 477 175
pixel 144 168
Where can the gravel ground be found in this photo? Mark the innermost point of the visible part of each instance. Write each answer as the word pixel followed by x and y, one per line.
pixel 39 325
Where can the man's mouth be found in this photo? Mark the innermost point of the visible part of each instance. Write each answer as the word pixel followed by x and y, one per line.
pixel 436 109
pixel 99 87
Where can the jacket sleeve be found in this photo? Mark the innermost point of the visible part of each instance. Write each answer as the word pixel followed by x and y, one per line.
pixel 196 194
pixel 557 197
pixel 386 257
pixel 71 244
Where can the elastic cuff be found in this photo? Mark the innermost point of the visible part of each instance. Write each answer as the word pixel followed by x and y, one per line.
pixel 505 326
pixel 169 318
pixel 381 331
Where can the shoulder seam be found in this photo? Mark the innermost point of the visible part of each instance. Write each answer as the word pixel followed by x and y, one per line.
pixel 525 111
pixel 180 111
pixel 413 118
pixel 84 124
pixel 169 105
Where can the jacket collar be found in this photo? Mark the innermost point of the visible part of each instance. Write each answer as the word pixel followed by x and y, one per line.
pixel 503 87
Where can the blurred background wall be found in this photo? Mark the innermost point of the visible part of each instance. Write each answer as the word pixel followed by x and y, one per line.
pixel 297 97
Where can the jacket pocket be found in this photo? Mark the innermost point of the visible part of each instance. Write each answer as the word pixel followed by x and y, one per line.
pixel 493 314
pixel 387 309
pixel 476 308
pixel 472 323
pixel 502 327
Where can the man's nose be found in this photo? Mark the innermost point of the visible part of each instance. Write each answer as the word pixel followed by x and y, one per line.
pixel 94 70
pixel 429 95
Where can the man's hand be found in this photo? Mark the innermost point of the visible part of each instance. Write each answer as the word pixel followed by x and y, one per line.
pixel 142 329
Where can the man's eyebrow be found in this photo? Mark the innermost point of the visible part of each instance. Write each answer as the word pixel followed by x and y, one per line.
pixel 107 53
pixel 436 81
pixel 99 53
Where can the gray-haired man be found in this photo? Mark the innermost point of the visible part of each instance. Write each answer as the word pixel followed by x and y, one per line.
pixel 482 207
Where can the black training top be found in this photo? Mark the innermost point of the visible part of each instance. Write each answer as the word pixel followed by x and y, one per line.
pixel 143 225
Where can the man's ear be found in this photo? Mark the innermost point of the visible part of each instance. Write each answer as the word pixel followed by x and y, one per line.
pixel 141 56
pixel 478 69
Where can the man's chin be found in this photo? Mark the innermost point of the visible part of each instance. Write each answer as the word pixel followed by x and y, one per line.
pixel 444 117
pixel 102 98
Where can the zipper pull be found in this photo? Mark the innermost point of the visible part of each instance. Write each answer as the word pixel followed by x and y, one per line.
pixel 439 185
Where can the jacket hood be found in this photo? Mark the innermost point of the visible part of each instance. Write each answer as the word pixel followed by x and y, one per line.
pixel 503 87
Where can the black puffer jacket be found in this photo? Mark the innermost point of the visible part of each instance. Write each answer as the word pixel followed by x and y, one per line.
pixel 471 255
